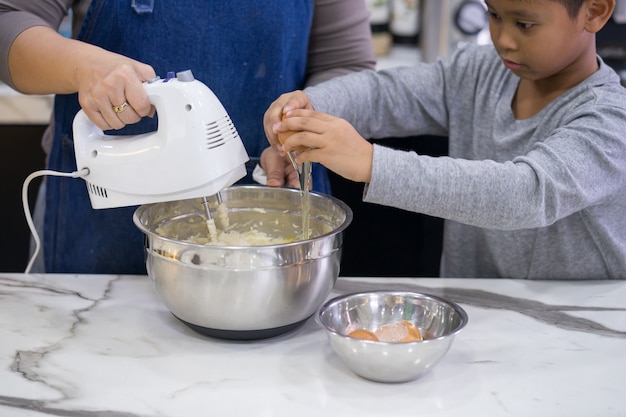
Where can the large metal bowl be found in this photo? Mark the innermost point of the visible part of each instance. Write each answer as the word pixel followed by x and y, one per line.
pixel 245 292
pixel 438 321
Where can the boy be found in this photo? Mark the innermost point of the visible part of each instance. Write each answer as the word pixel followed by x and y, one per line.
pixel 535 184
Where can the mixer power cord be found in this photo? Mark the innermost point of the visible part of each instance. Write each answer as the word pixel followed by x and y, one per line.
pixel 29 218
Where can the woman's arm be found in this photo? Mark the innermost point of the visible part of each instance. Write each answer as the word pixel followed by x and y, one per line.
pixel 38 60
pixel 41 61
pixel 17 16
pixel 341 40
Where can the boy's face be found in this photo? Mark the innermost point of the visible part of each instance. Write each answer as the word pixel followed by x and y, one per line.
pixel 537 39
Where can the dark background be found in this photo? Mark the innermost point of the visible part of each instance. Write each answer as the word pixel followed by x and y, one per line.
pixel 21 155
pixel 385 241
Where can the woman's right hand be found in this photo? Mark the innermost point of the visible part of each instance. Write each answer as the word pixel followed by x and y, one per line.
pixel 115 83
pixel 41 61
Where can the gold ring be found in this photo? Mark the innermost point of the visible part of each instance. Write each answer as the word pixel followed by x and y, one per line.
pixel 120 108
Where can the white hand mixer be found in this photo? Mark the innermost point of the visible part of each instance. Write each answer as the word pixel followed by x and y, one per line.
pixel 195 152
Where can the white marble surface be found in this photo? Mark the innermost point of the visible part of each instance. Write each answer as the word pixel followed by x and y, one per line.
pixel 106 346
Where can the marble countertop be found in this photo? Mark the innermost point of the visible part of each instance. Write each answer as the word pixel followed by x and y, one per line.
pixel 103 345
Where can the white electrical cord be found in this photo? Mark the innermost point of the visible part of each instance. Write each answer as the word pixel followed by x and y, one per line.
pixel 29 218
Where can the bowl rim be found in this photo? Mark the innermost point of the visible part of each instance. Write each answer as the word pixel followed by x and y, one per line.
pixel 456 307
pixel 339 230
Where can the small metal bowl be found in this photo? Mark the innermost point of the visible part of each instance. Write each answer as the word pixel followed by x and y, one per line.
pixel 438 321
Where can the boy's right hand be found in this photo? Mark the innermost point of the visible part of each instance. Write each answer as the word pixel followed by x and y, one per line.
pixel 274 114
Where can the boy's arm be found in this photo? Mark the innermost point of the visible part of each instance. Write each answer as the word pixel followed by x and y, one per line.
pixel 404 101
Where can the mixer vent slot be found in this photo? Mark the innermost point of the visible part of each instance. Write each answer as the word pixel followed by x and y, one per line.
pixel 220 132
pixel 97 191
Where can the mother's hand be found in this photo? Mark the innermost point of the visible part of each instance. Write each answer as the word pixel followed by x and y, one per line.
pixel 279 171
pixel 112 94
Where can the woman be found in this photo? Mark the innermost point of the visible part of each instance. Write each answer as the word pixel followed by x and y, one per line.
pixel 246 52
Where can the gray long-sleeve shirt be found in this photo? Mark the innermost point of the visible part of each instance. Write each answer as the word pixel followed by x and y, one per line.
pixel 543 197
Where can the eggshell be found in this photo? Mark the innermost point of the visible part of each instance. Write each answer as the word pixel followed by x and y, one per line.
pixel 363 334
pixel 282 137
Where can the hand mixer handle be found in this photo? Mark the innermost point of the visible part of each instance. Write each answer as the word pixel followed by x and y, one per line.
pixel 85 131
pixel 195 151
pixel 173 97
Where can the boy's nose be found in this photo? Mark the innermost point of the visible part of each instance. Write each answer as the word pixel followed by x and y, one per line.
pixel 502 39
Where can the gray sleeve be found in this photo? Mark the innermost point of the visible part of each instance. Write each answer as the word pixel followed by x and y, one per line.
pixel 402 101
pixel 423 99
pixel 501 175
pixel 481 193
pixel 576 166
pixel 19 15
pixel 340 40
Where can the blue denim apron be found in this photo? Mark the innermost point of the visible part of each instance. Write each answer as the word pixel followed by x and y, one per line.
pixel 248 52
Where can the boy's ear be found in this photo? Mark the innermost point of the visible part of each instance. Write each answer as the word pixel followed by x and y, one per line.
pixel 597 13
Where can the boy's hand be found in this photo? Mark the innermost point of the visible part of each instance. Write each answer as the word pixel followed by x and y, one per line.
pixel 331 141
pixel 274 114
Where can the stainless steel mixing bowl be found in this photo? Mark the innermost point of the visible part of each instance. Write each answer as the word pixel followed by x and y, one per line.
pixel 438 321
pixel 245 292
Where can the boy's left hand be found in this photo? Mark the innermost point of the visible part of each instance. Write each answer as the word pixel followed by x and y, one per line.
pixel 331 141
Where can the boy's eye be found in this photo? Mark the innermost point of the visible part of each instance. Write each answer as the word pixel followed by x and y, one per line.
pixel 525 26
pixel 492 15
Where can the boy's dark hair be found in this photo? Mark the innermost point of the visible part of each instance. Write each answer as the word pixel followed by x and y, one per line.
pixel 572 6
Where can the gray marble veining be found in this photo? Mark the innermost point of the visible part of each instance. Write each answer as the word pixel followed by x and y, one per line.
pixel 553 315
